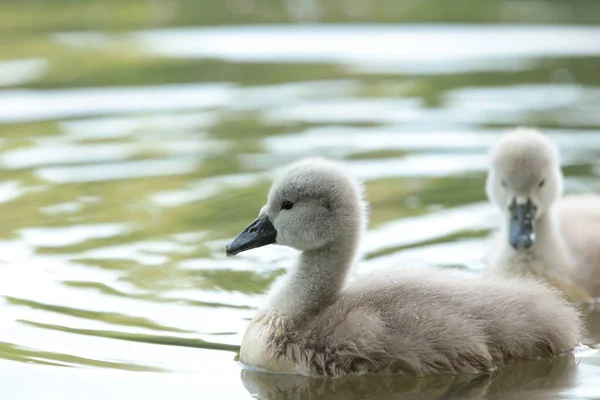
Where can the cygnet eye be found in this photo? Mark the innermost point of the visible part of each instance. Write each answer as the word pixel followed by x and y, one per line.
pixel 287 205
pixel 541 184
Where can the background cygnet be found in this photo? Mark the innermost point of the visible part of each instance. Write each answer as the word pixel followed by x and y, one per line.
pixel 542 234
pixel 412 321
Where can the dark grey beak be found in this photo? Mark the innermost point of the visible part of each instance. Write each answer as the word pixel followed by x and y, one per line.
pixel 259 233
pixel 521 233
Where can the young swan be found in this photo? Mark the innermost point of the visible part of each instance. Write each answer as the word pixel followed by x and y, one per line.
pixel 542 235
pixel 416 322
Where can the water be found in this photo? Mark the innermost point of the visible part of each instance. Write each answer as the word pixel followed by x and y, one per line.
pixel 132 151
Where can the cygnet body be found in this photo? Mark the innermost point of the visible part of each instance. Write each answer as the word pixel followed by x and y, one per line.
pixel 416 322
pixel 553 238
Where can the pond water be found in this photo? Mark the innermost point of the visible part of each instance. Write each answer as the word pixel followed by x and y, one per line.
pixel 135 141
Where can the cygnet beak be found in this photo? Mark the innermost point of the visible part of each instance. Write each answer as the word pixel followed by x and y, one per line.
pixel 521 230
pixel 259 233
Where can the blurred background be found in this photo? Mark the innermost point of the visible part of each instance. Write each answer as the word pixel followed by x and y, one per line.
pixel 138 136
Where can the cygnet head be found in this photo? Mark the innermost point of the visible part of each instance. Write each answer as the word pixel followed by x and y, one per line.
pixel 312 204
pixel 524 181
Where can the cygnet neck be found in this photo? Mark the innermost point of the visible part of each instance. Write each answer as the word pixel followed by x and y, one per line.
pixel 318 278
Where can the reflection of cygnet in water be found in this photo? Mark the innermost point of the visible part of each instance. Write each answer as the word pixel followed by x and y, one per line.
pixel 416 321
pixel 542 379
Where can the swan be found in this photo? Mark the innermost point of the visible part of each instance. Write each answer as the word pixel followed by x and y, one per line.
pixel 556 239
pixel 415 321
